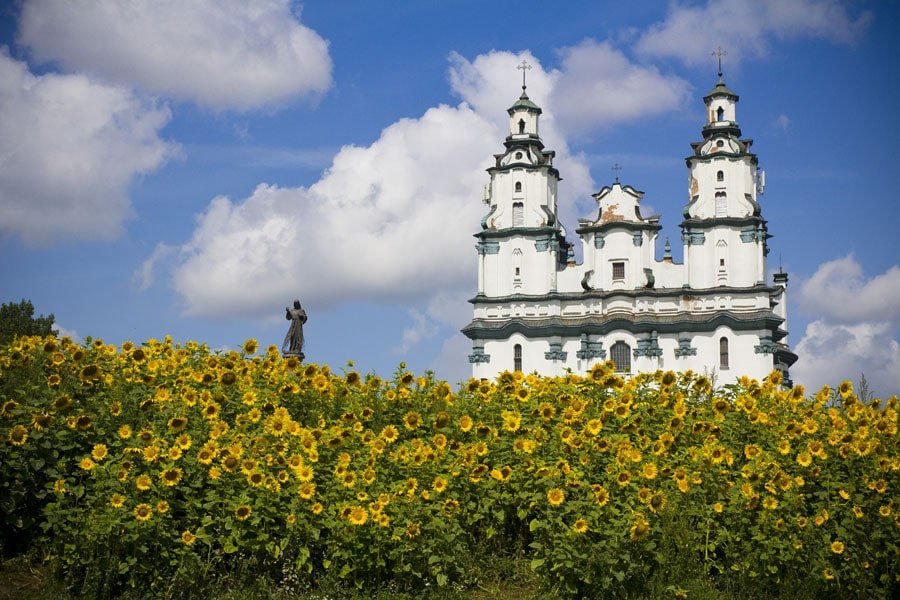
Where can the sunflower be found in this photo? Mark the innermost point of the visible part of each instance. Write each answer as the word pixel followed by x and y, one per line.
pixel 389 434
pixel 465 423
pixel 18 435
pixel 183 441
pixel 623 478
pixel 162 507
pixel 804 459
pixel 171 477
pixel 770 503
pixel 255 479
pixel 358 515
pixel 177 424
pixel 640 530
pixel 657 502
pixel 307 490
pixel 718 507
pixel 317 508
pixel 188 538
pixel 412 420
pixel 117 500
pixel 601 496
pixel 250 346
pixel 205 455
pixel 837 547
pixel 242 512
pixel 439 485
pixel 555 496
pixel 87 464
pixel 143 512
pixel 580 526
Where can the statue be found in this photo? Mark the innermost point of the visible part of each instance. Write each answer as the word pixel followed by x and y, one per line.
pixel 293 341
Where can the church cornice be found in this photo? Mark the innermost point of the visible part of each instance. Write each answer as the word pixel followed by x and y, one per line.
pixel 609 225
pixel 573 327
pixel 656 293
pixel 695 158
pixel 523 165
pixel 517 231
pixel 713 222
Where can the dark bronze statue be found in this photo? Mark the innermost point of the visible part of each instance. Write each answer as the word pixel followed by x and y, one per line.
pixel 293 341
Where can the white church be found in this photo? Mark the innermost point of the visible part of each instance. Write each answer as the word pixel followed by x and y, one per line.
pixel 537 310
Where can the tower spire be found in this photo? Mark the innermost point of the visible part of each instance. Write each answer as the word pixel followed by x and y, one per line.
pixel 719 53
pixel 524 66
pixel 616 169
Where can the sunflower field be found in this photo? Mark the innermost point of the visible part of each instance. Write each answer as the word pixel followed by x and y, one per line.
pixel 161 466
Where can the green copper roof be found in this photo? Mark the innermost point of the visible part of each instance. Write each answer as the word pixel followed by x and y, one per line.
pixel 524 102
pixel 720 90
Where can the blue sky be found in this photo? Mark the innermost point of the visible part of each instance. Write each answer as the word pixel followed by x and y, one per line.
pixel 190 168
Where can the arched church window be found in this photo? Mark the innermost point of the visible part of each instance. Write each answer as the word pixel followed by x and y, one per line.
pixel 517 357
pixel 518 214
pixel 720 176
pixel 723 353
pixel 620 353
pixel 720 114
pixel 521 125
pixel 721 204
pixel 518 187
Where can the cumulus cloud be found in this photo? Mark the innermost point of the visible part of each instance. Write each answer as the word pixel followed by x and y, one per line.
pixel 839 291
pixel 830 353
pixel 856 330
pixel 598 86
pixel 690 32
pixel 143 277
pixel 69 149
pixel 392 221
pixel 224 54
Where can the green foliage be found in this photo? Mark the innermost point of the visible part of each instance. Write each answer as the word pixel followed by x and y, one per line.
pixel 166 470
pixel 18 319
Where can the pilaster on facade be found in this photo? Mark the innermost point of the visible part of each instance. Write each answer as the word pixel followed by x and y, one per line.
pixel 478 356
pixel 556 352
pixel 684 348
pixel 590 349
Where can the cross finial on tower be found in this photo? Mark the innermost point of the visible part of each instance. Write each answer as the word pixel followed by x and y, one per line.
pixel 523 66
pixel 719 53
pixel 616 169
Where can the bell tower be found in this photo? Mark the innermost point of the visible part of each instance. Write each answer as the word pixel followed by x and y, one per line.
pixel 723 232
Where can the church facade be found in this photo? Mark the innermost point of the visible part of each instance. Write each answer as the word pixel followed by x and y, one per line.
pixel 538 310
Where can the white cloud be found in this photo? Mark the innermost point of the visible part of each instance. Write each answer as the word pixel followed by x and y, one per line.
pixel 598 86
pixel 143 277
pixel 782 122
pixel 839 291
pixel 62 332
pixel 69 149
pixel 743 28
pixel 830 353
pixel 391 221
pixel 224 54
pixel 856 330
pixel 420 329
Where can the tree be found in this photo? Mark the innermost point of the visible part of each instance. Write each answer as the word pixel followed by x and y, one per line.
pixel 18 319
